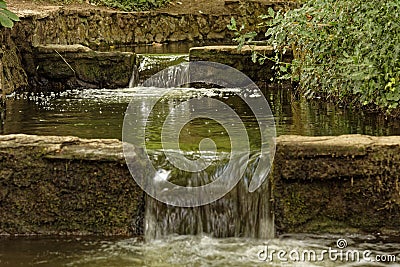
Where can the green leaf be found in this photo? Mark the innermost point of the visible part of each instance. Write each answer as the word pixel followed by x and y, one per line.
pixel 232 26
pixel 5 21
pixel 282 68
pixel 271 12
pixel 263 16
pixel 10 14
pixel 3 4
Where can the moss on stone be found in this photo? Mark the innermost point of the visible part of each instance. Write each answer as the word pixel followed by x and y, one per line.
pixel 335 184
pixel 43 195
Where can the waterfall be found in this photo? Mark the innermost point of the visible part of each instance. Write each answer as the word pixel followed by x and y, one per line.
pixel 171 77
pixel 237 214
pixel 150 64
pixel 134 78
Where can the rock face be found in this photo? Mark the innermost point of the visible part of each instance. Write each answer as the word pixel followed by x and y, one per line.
pixel 59 185
pixel 66 185
pixel 60 67
pixel 12 74
pixel 97 27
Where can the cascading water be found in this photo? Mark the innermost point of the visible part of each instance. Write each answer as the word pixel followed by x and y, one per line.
pixel 149 64
pixel 134 77
pixel 237 214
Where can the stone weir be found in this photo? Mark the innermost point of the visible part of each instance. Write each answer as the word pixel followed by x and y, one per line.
pixel 68 185
pixel 61 67
pixel 20 67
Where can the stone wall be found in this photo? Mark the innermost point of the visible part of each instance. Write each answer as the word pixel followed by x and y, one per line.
pixel 61 67
pixel 12 74
pixel 60 185
pixel 97 27
pixel 66 185
pixel 338 184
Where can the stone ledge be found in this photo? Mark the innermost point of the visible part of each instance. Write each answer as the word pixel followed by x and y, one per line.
pixel 337 184
pixel 61 67
pixel 67 185
pixel 61 185
pixel 67 147
pixel 50 48
pixel 230 49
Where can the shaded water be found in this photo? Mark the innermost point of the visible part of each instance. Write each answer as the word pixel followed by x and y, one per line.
pixel 98 113
pixel 194 251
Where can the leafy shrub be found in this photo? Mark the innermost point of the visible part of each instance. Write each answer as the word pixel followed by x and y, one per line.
pixel 132 5
pixel 346 51
pixel 7 17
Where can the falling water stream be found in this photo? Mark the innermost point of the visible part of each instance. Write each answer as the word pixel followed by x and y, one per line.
pixel 230 231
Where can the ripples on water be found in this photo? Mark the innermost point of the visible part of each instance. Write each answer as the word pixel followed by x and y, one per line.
pixel 183 251
pixel 98 113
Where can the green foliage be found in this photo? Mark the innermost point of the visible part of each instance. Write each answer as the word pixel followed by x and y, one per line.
pixel 132 5
pixel 347 51
pixel 7 17
pixel 241 35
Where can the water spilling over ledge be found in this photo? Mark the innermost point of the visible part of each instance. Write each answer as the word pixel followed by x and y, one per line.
pixel 59 185
pixel 238 214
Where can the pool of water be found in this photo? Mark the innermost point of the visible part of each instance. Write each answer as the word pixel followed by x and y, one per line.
pixel 99 113
pixel 201 251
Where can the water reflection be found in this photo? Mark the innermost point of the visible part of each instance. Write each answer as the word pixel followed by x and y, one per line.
pixel 98 113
